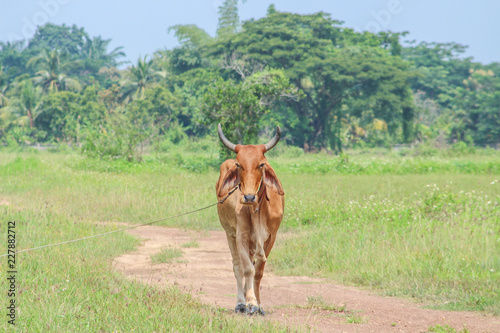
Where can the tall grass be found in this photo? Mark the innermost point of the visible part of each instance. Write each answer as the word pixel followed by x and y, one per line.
pixel 438 244
pixel 133 193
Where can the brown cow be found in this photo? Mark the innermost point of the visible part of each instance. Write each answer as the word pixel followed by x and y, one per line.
pixel 250 216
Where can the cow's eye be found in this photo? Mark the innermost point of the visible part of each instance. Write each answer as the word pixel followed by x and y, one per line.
pixel 262 165
pixel 238 165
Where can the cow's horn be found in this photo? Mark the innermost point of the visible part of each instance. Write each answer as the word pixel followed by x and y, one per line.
pixel 274 140
pixel 225 141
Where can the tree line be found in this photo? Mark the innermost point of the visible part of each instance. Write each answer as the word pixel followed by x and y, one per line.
pixel 328 86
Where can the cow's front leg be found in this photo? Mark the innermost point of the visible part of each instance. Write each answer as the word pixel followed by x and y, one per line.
pixel 243 246
pixel 259 270
pixel 238 274
pixel 259 273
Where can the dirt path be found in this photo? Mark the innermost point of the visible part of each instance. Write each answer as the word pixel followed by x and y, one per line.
pixel 206 272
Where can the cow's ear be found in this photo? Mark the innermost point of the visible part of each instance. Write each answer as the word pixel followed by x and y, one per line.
pixel 228 181
pixel 271 180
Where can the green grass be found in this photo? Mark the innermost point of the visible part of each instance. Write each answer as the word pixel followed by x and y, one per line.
pixel 192 243
pixel 354 319
pixel 437 242
pixel 446 329
pixel 166 256
pixel 138 195
pixel 318 302
pixel 389 165
pixel 73 288
pixel 430 231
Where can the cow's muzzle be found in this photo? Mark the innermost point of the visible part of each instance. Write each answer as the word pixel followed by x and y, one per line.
pixel 249 198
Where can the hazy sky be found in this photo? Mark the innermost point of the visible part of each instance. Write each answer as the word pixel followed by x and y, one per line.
pixel 141 26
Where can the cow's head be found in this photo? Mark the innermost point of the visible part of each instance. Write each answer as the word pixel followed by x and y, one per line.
pixel 250 170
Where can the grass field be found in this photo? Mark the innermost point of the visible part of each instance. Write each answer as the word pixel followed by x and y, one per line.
pixel 427 228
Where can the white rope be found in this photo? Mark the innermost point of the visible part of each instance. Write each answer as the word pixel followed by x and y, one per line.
pixel 112 232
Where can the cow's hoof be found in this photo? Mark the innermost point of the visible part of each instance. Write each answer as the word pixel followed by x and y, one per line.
pixel 240 308
pixel 255 310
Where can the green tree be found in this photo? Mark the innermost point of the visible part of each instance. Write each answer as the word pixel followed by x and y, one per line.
pixel 92 109
pixel 122 134
pixel 22 110
pixel 190 88
pixel 440 66
pixel 95 55
pixel 3 87
pixel 13 58
pixel 68 40
pixel 190 55
pixel 332 66
pixel 52 76
pixel 95 49
pixel 87 55
pixel 164 107
pixel 239 106
pixel 138 78
pixel 58 116
pixel 29 101
pixel 477 109
pixel 5 122
pixel 229 20
pixel 458 94
pixel 190 35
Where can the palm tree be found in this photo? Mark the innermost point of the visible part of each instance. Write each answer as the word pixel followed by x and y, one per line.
pixel 5 116
pixel 52 76
pixel 5 120
pixel 26 108
pixel 3 87
pixel 96 48
pixel 30 101
pixel 138 79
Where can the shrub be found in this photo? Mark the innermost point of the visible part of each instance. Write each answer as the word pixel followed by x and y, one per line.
pixel 461 148
pixel 121 136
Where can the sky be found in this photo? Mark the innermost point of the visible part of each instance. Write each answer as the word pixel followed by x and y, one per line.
pixel 141 27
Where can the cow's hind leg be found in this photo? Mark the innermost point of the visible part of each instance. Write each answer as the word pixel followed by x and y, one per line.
pixel 238 274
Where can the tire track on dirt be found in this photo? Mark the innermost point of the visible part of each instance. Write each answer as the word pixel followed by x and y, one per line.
pixel 206 272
